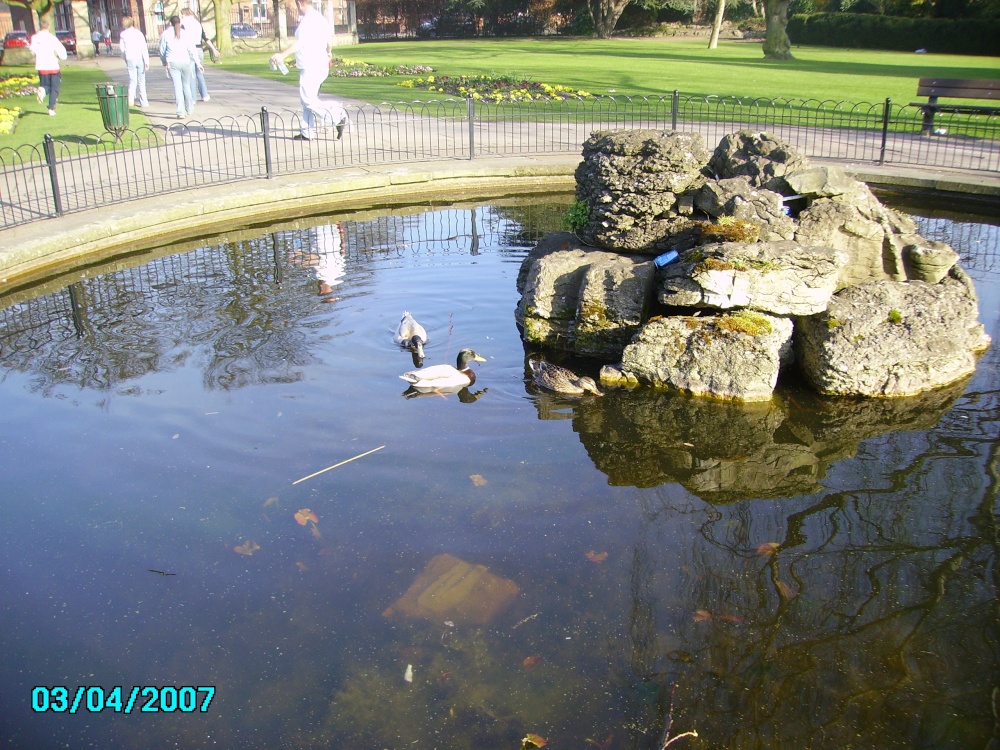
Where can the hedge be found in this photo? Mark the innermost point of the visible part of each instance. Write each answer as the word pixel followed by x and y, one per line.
pixel 965 36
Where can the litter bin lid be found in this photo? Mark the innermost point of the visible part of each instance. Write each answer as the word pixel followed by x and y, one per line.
pixel 112 89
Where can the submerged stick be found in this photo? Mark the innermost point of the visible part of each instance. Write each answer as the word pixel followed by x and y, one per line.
pixel 355 458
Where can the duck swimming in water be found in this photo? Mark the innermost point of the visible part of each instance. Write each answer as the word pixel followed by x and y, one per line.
pixel 411 335
pixel 559 379
pixel 440 377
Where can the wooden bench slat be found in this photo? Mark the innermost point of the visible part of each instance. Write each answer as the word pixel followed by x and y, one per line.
pixel 959 88
pixel 955 88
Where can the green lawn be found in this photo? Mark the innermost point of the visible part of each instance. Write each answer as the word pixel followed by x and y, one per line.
pixel 653 67
pixel 77 113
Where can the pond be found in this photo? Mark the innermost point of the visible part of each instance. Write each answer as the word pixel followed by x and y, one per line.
pixel 181 510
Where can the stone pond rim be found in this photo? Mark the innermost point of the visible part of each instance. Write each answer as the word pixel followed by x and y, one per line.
pixel 32 252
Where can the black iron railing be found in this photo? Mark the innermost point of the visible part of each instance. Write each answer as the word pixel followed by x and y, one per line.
pixel 66 176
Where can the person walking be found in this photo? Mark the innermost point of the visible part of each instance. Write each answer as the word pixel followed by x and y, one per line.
pixel 135 52
pixel 48 51
pixel 191 29
pixel 107 39
pixel 95 37
pixel 312 47
pixel 179 59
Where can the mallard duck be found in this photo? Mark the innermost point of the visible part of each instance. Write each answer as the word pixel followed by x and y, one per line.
pixel 439 377
pixel 559 379
pixel 411 335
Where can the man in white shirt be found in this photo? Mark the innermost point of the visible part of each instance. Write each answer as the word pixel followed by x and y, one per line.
pixel 191 30
pixel 48 51
pixel 135 52
pixel 312 45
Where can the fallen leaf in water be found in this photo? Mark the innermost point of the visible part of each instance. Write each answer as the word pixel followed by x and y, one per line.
pixel 768 548
pixel 270 501
pixel 532 740
pixel 702 615
pixel 247 548
pixel 530 662
pixel 477 479
pixel 606 745
pixel 304 516
pixel 730 618
pixel 786 591
pixel 302 567
pixel 315 531
pixel 682 656
pixel 595 557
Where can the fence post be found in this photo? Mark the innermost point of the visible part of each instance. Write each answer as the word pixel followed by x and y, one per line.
pixel 49 146
pixel 472 127
pixel 886 109
pixel 265 129
pixel 674 106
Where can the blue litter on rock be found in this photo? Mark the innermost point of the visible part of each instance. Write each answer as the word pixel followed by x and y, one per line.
pixel 666 259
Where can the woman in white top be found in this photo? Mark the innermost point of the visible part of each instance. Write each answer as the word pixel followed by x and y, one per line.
pixel 179 59
pixel 135 51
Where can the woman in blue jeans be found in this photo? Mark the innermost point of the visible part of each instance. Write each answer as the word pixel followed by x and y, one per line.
pixel 180 60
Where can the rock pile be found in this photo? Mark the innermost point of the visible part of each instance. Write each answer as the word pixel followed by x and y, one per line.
pixel 780 261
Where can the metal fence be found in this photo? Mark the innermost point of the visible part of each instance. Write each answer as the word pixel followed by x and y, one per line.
pixel 70 175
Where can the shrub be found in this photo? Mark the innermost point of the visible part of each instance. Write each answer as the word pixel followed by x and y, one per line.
pixel 868 31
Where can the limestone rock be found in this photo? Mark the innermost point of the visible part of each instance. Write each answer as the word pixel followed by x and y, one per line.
pixel 631 181
pixel 820 182
pixel 738 198
pixel 857 223
pixel 892 339
pixel 452 589
pixel 782 278
pixel 728 357
pixel 760 157
pixel 926 260
pixel 585 301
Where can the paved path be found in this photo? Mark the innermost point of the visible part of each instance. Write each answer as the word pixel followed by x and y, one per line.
pixel 232 94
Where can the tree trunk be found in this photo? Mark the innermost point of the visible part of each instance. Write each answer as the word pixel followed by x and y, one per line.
pixel 223 37
pixel 605 15
pixel 720 12
pixel 776 43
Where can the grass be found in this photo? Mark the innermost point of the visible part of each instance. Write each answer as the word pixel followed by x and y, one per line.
pixel 620 66
pixel 78 113
pixel 651 67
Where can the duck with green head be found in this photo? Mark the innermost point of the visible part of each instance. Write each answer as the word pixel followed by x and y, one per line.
pixel 438 377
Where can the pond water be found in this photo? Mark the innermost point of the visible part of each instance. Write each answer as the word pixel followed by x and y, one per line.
pixel 603 572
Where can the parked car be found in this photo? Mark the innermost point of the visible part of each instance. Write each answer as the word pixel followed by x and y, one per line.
pixel 68 39
pixel 242 31
pixel 15 39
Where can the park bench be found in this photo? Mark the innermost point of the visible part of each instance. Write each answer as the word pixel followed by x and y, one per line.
pixel 955 88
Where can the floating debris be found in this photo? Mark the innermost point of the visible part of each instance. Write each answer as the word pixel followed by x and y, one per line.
pixel 247 548
pixel 408 674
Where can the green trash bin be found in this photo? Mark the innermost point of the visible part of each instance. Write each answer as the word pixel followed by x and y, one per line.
pixel 113 98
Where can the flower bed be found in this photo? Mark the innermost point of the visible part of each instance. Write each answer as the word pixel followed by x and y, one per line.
pixel 356 69
pixel 8 120
pixel 495 88
pixel 17 85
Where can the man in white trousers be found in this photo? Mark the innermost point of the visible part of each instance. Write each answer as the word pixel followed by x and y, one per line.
pixel 312 57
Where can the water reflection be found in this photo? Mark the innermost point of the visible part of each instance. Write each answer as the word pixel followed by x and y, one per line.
pixel 724 452
pixel 802 573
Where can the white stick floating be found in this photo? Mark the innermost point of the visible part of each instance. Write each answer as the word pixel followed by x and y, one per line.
pixel 360 455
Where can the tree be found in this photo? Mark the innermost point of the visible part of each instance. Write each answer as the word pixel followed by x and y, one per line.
pixel 43 8
pixel 776 43
pixel 720 12
pixel 605 15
